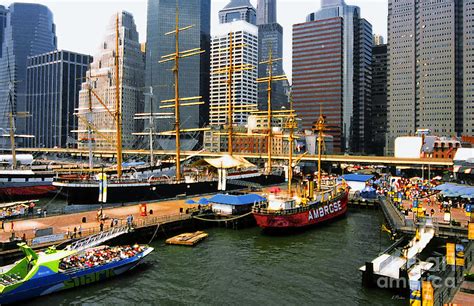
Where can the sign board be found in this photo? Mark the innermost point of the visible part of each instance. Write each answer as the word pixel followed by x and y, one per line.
pixel 459 255
pixel 44 232
pixel 450 253
pixel 46 239
pixel 415 203
pixel 427 292
pixel 471 231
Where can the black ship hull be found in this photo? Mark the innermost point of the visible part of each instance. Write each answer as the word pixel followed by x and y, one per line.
pixel 77 193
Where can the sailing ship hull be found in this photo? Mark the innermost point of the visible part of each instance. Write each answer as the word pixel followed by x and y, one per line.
pixel 88 193
pixel 303 217
pixel 18 186
pixel 54 282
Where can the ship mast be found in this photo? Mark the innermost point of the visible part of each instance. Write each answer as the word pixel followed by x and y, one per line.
pixel 12 115
pixel 269 79
pixel 230 71
pixel 291 126
pixel 320 127
pixel 118 115
pixel 176 102
pixel 89 129
pixel 152 160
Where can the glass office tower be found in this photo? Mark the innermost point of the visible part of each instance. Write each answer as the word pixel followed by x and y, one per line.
pixel 30 31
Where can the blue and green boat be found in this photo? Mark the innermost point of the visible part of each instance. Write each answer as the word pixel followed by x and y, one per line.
pixel 54 270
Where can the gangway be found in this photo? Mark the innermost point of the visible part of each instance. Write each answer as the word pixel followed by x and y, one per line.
pixel 390 266
pixel 97 239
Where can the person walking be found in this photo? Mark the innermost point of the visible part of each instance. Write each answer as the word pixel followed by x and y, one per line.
pixel 80 231
pixel 101 226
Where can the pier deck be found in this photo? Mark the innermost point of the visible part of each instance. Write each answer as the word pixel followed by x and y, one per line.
pixel 64 224
pixel 405 224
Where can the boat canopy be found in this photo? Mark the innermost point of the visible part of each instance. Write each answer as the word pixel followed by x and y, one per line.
pixel 228 161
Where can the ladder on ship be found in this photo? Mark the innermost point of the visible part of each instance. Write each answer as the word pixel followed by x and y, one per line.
pixel 244 184
pixel 97 239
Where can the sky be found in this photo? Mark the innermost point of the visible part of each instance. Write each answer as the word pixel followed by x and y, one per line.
pixel 81 24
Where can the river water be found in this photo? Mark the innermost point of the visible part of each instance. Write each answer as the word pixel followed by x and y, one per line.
pixel 245 267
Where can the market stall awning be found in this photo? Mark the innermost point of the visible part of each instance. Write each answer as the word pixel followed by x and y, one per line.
pixel 228 161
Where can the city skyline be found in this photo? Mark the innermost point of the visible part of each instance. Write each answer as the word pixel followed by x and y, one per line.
pixel 68 13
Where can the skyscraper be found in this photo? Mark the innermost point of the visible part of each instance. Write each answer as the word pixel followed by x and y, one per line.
pixel 238 10
pixel 30 31
pixel 244 85
pixel 193 71
pixel 378 40
pixel 266 12
pixel 3 25
pixel 53 83
pixel 425 47
pixel 379 100
pixel 270 38
pixel 332 53
pixel 101 79
pixel 468 72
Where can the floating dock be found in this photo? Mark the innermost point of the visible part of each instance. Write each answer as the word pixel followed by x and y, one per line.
pixel 189 239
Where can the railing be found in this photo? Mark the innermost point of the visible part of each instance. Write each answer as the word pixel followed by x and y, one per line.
pixel 97 239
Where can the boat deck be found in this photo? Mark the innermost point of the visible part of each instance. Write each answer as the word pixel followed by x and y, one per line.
pixel 188 239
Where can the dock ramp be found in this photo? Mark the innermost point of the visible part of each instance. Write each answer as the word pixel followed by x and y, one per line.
pixel 390 266
pixel 97 239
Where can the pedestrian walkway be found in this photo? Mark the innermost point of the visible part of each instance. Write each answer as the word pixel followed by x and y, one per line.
pixel 66 223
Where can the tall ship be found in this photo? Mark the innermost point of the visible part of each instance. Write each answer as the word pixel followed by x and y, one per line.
pixel 134 187
pixel 318 204
pixel 39 274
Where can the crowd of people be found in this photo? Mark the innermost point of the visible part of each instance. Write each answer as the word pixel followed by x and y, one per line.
pixel 14 211
pixel 100 256
pixel 11 279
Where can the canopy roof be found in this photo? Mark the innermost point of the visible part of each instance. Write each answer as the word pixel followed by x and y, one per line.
pixel 456 190
pixel 229 199
pixel 357 177
pixel 228 161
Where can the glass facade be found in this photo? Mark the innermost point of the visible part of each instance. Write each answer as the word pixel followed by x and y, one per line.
pixel 356 82
pixel 53 84
pixel 238 10
pixel 266 12
pixel 193 71
pixel 270 37
pixel 30 31
pixel 3 25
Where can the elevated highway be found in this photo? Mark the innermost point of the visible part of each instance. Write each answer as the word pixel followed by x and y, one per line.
pixel 350 159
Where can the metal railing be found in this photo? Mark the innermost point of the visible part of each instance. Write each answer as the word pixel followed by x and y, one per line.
pixel 97 239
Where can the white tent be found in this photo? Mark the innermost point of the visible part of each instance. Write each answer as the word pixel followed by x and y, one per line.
pixel 228 161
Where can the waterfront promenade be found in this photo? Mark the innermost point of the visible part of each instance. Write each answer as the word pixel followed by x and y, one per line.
pixel 64 224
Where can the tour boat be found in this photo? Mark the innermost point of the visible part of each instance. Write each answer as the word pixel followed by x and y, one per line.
pixel 55 270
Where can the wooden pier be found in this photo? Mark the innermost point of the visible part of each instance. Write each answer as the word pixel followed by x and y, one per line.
pixel 400 224
pixel 188 239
